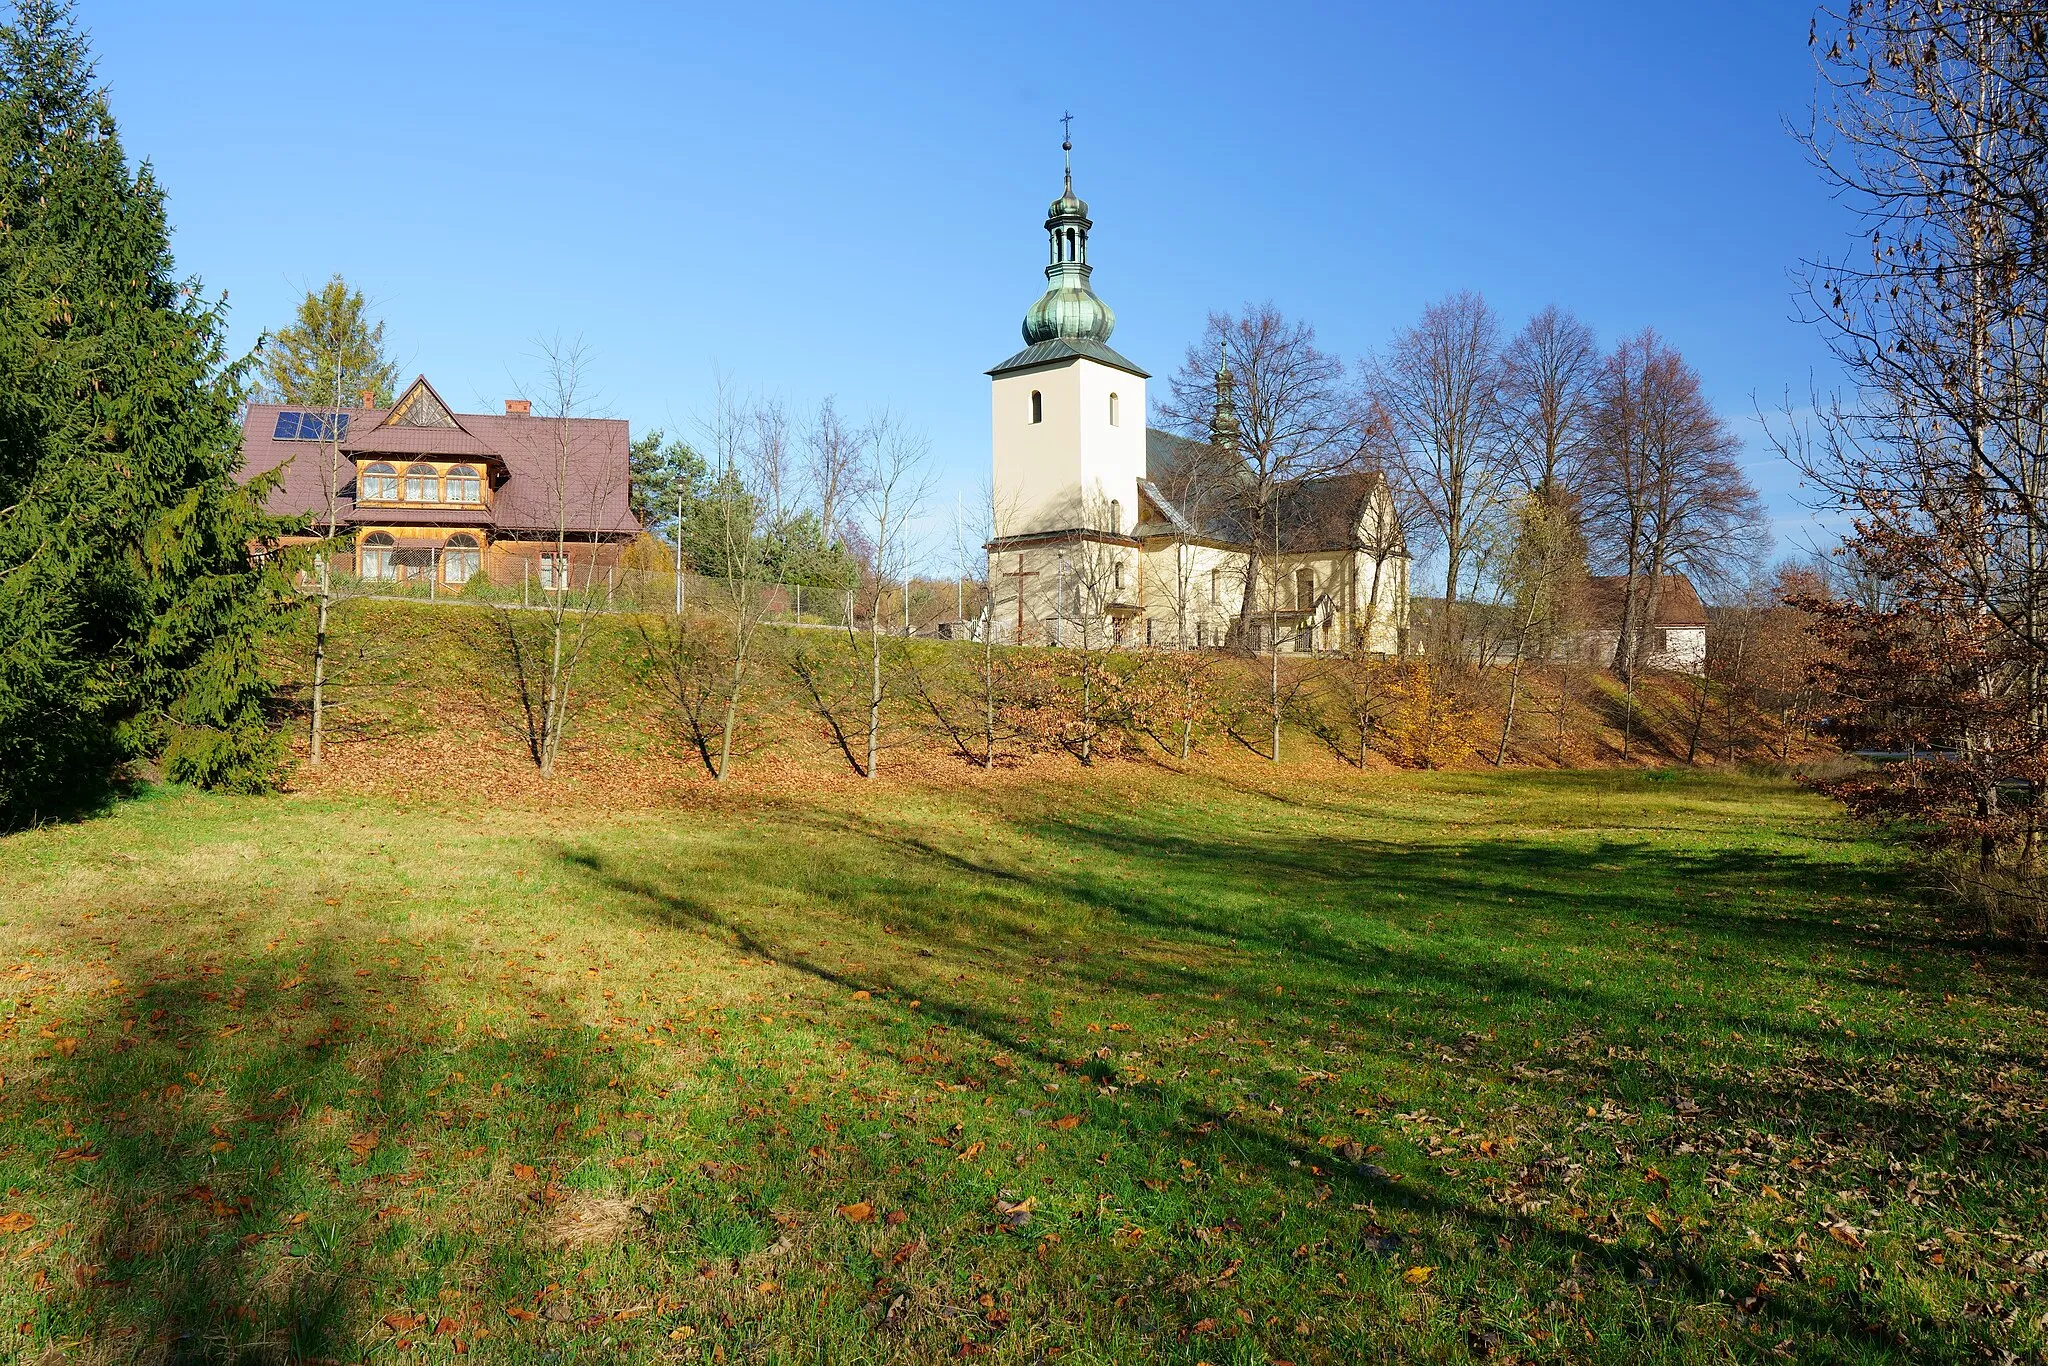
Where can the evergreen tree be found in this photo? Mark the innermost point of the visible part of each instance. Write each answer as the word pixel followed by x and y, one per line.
pixel 331 354
pixel 131 606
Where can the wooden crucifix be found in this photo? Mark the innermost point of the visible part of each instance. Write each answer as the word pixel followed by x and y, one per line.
pixel 1020 573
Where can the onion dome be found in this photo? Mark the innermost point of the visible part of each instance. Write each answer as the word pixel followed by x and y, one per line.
pixel 1069 309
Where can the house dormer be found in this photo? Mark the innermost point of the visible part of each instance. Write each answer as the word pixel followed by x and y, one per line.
pixel 421 455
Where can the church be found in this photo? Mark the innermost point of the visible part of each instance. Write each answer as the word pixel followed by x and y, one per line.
pixel 1110 533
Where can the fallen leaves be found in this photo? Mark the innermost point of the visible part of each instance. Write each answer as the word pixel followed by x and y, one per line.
pixel 16 1221
pixel 859 1212
pixel 1418 1275
pixel 1066 1122
pixel 362 1145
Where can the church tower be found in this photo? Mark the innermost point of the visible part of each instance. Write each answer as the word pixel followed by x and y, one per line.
pixel 1067 412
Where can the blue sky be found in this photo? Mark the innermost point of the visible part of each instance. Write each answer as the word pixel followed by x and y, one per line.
pixel 847 199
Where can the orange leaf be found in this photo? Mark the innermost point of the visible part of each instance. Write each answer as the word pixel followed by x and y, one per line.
pixel 65 1046
pixel 16 1222
pixel 1066 1121
pixel 971 1151
pixel 523 1315
pixel 522 1172
pixel 362 1145
pixel 1656 1220
pixel 859 1212
pixel 1417 1275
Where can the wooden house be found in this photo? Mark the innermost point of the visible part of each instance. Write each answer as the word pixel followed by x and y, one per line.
pixel 433 494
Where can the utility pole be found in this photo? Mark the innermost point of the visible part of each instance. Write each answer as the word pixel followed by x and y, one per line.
pixel 679 549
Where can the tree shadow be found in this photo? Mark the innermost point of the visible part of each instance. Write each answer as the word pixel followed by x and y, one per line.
pixel 1162 1110
pixel 238 1140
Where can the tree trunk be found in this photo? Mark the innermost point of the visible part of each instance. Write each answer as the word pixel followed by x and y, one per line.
pixel 316 743
pixel 874 685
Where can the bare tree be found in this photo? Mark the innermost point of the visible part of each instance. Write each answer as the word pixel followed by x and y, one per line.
pixel 1441 382
pixel 833 457
pixel 578 489
pixel 1292 418
pixel 706 659
pixel 894 482
pixel 1663 491
pixel 1549 391
pixel 1546 570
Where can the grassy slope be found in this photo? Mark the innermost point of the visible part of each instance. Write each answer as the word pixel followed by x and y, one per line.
pixel 1637 1067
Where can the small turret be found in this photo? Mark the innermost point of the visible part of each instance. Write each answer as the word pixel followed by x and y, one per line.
pixel 1223 429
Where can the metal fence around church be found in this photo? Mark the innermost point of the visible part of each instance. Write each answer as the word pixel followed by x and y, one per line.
pixel 925 607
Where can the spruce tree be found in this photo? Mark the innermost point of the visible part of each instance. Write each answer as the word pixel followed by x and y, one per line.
pixel 332 354
pixel 132 606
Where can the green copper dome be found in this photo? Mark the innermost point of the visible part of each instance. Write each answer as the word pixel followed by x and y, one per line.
pixel 1069 308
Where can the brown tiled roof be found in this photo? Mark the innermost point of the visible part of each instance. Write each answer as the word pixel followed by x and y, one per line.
pixel 1678 602
pixel 436 443
pixel 522 450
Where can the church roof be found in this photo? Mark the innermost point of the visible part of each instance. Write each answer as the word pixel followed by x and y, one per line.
pixel 1057 349
pixel 1196 499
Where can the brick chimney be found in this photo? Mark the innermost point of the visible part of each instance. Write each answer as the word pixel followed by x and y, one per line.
pixel 369 398
pixel 518 407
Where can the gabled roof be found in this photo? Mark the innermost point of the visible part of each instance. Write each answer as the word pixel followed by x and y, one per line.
pixel 420 423
pixel 1060 349
pixel 1196 498
pixel 1678 602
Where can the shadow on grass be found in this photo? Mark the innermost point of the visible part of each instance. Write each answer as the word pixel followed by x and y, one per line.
pixel 1234 900
pixel 1165 1111
pixel 238 1139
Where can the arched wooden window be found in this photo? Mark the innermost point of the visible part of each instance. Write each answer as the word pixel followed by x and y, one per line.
pixel 464 485
pixel 376 559
pixel 1037 406
pixel 461 558
pixel 422 484
pixel 1114 415
pixel 380 481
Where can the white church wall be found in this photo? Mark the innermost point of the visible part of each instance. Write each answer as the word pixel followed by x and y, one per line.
pixel 1066 470
pixel 1191 592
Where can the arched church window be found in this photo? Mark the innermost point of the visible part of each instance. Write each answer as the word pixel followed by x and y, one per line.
pixel 1037 406
pixel 1117 576
pixel 1113 407
pixel 422 484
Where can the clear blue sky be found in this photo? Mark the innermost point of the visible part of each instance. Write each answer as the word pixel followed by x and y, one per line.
pixel 837 199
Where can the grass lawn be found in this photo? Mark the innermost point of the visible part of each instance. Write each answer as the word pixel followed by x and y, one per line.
pixel 1589 1066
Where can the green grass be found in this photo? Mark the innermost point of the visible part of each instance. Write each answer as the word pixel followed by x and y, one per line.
pixel 1596 1066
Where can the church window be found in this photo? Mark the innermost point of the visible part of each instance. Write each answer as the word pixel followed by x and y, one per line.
pixel 465 485
pixel 1113 410
pixel 422 485
pixel 380 481
pixel 1117 576
pixel 376 561
pixel 1037 406
pixel 1304 589
pixel 1215 587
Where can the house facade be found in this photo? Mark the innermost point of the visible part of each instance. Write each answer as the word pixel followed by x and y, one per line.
pixel 1110 532
pixel 445 497
pixel 1675 637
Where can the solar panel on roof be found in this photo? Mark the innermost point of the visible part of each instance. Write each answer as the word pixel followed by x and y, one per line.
pixel 293 426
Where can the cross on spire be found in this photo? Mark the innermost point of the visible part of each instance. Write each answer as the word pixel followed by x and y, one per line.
pixel 1067 141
